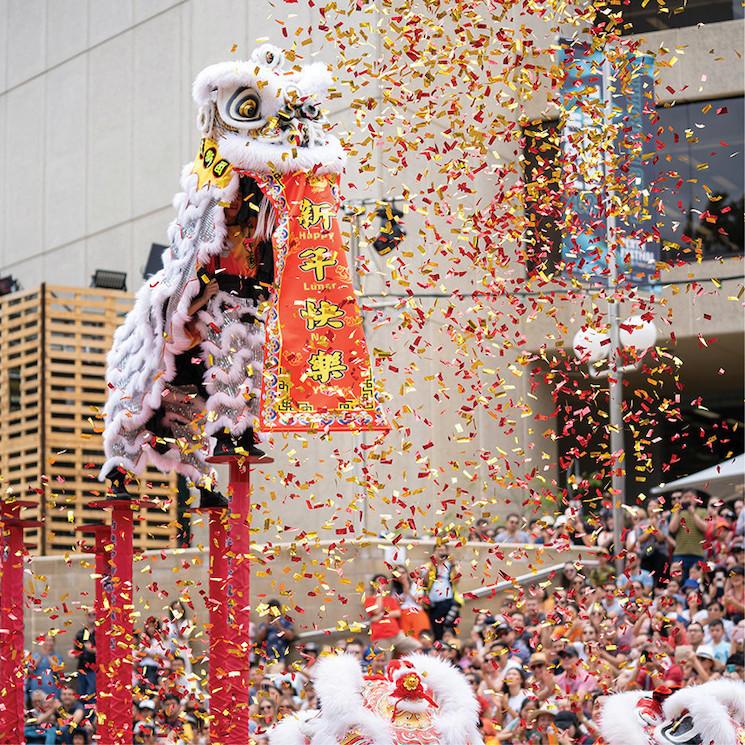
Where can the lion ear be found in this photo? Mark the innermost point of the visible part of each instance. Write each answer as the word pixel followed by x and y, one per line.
pixel 267 55
pixel 314 79
pixel 205 119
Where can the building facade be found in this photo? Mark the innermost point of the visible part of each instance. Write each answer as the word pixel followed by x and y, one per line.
pixel 97 121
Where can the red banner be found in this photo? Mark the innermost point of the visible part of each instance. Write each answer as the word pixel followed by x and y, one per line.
pixel 317 373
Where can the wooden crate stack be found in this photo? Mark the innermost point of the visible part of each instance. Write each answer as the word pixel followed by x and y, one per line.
pixel 53 346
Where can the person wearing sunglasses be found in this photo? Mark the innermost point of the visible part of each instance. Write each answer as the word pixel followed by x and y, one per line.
pixel 542 682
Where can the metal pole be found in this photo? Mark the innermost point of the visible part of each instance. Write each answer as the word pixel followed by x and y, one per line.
pixel 615 373
pixel 615 403
pixel 354 252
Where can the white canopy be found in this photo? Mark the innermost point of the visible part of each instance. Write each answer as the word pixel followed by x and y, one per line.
pixel 727 480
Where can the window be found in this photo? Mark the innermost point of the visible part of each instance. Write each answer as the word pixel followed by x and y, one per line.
pixel 700 185
pixel 14 388
pixel 543 205
pixel 697 193
pixel 645 16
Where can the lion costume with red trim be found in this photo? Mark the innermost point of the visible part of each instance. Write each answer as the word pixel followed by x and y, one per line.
pixel 280 347
pixel 709 714
pixel 421 700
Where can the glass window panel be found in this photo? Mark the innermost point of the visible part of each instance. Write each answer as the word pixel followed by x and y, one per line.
pixel 700 185
pixel 699 188
pixel 645 16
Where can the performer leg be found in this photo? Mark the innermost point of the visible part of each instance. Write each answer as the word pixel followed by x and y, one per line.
pixel 118 489
pixel 227 445
pixel 233 351
pixel 211 499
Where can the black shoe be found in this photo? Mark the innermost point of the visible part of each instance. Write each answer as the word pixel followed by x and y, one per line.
pixel 118 488
pixel 159 445
pixel 225 445
pixel 212 499
pixel 228 447
pixel 247 442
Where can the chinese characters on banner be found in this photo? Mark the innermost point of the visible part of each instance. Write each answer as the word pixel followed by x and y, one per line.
pixel 317 373
pixel 597 92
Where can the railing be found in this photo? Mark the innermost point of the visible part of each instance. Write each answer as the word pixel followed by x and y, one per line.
pixel 522 579
pixel 480 592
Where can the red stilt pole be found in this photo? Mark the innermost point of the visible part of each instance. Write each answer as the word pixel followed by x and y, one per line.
pixel 12 668
pixel 121 635
pixel 219 682
pixel 240 581
pixel 102 534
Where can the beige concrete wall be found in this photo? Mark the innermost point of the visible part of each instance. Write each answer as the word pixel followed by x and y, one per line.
pixel 322 583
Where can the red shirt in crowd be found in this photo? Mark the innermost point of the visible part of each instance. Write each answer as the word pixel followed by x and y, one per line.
pixel 385 627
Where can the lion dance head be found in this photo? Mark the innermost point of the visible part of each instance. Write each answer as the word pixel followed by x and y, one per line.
pixel 709 714
pixel 419 700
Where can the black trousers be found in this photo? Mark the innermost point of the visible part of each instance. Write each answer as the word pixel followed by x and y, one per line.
pixel 441 617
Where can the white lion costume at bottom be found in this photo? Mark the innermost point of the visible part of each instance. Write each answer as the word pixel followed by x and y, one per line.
pixel 419 701
pixel 709 714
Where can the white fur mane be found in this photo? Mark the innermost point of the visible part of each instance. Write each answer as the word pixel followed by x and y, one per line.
pixel 339 684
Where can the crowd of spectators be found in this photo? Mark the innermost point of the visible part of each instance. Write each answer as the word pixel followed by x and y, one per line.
pixel 538 661
pixel 168 703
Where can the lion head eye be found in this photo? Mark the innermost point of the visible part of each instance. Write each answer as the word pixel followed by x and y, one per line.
pixel 244 105
pixel 681 731
pixel 248 108
pixel 311 111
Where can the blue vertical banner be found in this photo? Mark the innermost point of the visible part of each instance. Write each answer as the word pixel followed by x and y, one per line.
pixel 598 92
pixel 634 112
pixel 583 242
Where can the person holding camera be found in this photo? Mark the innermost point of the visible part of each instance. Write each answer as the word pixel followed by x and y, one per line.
pixel 688 527
pixel 443 600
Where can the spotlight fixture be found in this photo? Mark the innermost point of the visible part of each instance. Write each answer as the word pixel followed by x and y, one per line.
pixel 154 260
pixel 391 228
pixel 106 279
pixel 9 284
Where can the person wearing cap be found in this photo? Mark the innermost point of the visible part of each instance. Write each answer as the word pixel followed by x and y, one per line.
pixel 145 733
pixel 543 683
pixel 735 667
pixel 735 556
pixel 570 732
pixel 542 730
pixel 575 680
pixel 702 662
pixel 147 705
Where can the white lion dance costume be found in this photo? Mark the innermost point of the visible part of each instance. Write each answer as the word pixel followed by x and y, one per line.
pixel 421 700
pixel 252 324
pixel 709 714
